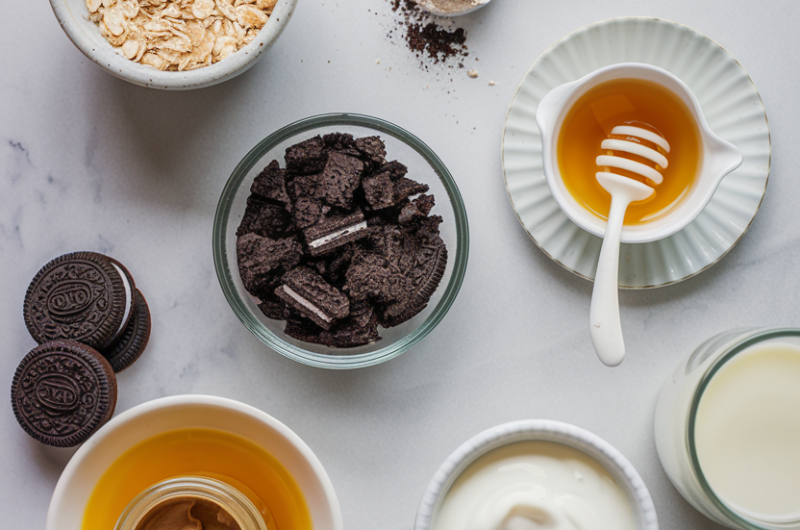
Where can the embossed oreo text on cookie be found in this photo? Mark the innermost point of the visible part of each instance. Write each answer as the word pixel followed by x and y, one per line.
pixel 62 391
pixel 79 296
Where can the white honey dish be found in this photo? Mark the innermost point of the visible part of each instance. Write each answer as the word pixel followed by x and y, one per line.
pixel 719 157
pixel 154 417
pixel 73 16
pixel 620 469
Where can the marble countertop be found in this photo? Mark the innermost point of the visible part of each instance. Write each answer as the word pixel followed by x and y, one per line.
pixel 89 162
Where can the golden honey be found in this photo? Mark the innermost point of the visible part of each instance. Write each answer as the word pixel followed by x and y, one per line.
pixel 200 452
pixel 618 102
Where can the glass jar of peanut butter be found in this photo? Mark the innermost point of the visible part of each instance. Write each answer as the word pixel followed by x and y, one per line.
pixel 191 503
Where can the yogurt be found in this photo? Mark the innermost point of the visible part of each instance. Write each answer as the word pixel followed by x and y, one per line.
pixel 747 432
pixel 535 485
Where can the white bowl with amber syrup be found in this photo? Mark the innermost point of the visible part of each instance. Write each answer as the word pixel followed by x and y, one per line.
pixel 74 18
pixel 180 437
pixel 573 119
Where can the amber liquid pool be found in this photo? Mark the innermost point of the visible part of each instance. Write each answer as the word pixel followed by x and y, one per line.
pixel 203 452
pixel 618 102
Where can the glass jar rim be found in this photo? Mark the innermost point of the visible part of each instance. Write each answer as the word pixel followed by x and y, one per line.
pixel 216 491
pixel 752 338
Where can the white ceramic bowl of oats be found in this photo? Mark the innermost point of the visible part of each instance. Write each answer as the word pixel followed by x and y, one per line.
pixel 173 44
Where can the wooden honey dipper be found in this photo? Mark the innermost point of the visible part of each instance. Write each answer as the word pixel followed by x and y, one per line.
pixel 629 149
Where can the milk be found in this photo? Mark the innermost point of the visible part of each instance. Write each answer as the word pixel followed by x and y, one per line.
pixel 747 432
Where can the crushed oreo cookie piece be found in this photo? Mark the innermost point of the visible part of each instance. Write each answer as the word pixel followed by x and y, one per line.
pixel 342 142
pixel 263 260
pixel 379 191
pixel 305 187
pixel 264 218
pixel 340 179
pixel 273 307
pixel 308 157
pixel 394 170
pixel 309 294
pixel 373 149
pixel 335 231
pixel 423 260
pixel 307 212
pixel 419 208
pixel 372 276
pixel 359 330
pixel 271 183
pixel 405 188
pixel 337 244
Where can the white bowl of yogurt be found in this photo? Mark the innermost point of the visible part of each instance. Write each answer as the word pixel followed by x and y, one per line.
pixel 532 474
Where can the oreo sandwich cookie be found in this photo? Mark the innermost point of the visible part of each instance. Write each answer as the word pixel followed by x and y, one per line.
pixel 62 392
pixel 335 231
pixel 309 294
pixel 130 346
pixel 82 296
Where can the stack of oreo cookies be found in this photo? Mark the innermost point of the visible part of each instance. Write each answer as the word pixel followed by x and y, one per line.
pixel 90 322
pixel 339 241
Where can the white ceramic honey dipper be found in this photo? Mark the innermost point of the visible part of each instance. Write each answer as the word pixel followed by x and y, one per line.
pixel 604 313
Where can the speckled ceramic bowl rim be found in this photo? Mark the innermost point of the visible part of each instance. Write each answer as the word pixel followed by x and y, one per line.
pixel 540 430
pixel 296 353
pixel 535 63
pixel 116 64
pixel 155 405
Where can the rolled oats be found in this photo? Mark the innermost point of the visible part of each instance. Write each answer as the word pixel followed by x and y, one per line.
pixel 179 34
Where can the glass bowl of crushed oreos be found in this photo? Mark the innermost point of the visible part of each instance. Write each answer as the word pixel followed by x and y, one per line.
pixel 340 241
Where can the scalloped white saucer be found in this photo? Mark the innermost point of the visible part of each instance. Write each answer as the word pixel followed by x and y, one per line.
pixel 731 106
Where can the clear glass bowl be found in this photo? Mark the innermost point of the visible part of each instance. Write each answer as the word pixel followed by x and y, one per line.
pixel 423 166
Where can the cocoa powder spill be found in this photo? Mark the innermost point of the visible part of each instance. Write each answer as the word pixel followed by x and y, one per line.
pixel 429 41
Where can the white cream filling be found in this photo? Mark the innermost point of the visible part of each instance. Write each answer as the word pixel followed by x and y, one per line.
pixel 128 300
pixel 306 303
pixel 337 234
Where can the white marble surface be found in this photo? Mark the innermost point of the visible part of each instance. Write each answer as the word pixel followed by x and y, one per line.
pixel 88 162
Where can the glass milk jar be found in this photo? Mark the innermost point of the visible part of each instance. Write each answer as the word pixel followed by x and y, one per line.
pixel 727 428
